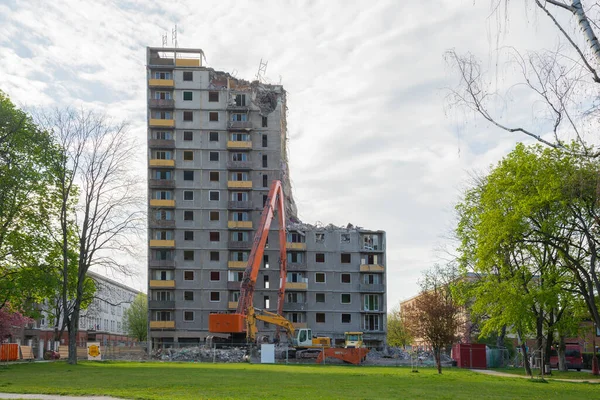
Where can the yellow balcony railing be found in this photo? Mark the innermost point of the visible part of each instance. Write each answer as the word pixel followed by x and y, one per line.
pixel 239 145
pixel 162 203
pixel 299 325
pixel 239 224
pixel 161 163
pixel 162 243
pixel 296 285
pixel 295 246
pixel 239 184
pixel 162 284
pixel 161 82
pixel 187 62
pixel 372 268
pixel 237 264
pixel 232 304
pixel 162 324
pixel 165 123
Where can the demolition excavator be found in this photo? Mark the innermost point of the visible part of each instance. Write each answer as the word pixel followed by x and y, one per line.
pixel 241 326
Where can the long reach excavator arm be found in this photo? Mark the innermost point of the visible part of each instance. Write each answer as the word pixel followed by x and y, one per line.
pixel 244 319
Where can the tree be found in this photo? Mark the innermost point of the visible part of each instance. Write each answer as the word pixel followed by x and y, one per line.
pixel 10 321
pixel 433 317
pixel 26 156
pixel 527 232
pixel 135 318
pixel 397 333
pixel 559 83
pixel 100 201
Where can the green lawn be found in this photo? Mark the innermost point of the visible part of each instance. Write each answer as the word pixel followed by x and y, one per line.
pixel 245 381
pixel 556 374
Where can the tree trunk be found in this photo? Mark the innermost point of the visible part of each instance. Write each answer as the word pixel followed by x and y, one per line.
pixel 73 329
pixel 526 359
pixel 500 337
pixel 587 30
pixel 548 349
pixel 562 359
pixel 438 358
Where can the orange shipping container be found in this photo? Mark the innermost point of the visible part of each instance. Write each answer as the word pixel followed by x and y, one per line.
pixel 226 323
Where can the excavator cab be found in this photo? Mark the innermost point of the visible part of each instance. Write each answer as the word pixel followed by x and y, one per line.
pixel 353 340
pixel 303 338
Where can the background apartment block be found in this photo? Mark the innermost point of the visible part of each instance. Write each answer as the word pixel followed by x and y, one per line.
pixel 215 143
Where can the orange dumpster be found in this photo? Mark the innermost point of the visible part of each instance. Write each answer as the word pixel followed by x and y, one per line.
pixel 9 352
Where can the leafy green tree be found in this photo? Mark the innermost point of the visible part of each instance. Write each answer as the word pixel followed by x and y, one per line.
pixel 397 334
pixel 26 205
pixel 135 318
pixel 521 229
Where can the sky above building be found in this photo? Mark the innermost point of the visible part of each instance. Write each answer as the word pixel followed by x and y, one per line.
pixel 373 139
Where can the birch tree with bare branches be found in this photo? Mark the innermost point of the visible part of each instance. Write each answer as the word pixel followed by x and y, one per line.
pixel 101 201
pixel 559 85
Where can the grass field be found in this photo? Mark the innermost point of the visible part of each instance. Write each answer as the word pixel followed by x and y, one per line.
pixel 246 381
pixel 556 374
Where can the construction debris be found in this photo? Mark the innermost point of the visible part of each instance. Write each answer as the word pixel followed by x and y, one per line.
pixel 201 354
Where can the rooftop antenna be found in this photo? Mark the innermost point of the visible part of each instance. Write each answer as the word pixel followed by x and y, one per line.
pixel 174 36
pixel 262 70
pixel 164 39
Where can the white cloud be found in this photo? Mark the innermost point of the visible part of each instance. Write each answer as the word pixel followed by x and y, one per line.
pixel 370 141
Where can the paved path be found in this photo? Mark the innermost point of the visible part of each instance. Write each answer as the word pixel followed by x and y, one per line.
pixel 507 375
pixel 52 397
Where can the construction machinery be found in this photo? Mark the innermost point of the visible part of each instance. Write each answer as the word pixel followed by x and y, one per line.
pixel 241 325
pixel 353 340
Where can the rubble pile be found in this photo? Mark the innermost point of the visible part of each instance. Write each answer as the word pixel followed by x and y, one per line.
pixel 202 354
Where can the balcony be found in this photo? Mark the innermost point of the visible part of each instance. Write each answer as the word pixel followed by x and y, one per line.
pixel 239 125
pixel 160 61
pixel 161 83
pixel 240 245
pixel 162 203
pixel 162 123
pixel 236 107
pixel 156 162
pixel 162 324
pixel 161 183
pixel 163 264
pixel 237 264
pixel 233 285
pixel 296 286
pixel 239 205
pixel 371 288
pixel 158 284
pixel 187 62
pixel 162 223
pixel 296 266
pixel 295 246
pixel 372 249
pixel 161 144
pixel 299 325
pixel 239 145
pixel 239 224
pixel 239 184
pixel 239 164
pixel 372 268
pixel 161 103
pixel 294 306
pixel 232 305
pixel 161 304
pixel 162 243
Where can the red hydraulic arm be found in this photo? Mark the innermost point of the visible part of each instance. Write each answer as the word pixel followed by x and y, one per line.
pixel 237 323
pixel 275 198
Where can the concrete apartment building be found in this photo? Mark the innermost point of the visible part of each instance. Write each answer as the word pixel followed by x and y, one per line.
pixel 215 143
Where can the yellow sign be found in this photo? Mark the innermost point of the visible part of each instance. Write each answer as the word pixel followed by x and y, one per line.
pixel 93 350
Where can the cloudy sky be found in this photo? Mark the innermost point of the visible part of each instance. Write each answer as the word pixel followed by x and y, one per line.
pixel 372 139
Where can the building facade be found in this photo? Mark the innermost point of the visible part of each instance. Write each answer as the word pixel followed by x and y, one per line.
pixel 102 320
pixel 215 144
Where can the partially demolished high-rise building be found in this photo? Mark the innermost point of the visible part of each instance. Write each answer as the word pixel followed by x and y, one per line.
pixel 215 143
